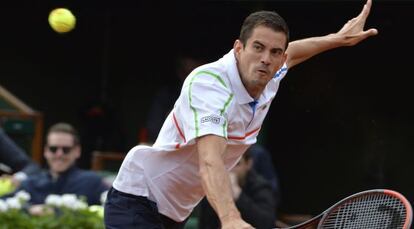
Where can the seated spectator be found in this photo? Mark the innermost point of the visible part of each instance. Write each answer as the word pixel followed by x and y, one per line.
pixel 14 160
pixel 263 165
pixel 253 196
pixel 61 151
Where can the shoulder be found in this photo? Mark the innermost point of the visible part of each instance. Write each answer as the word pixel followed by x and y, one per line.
pixel 209 76
pixel 211 72
pixel 208 89
pixel 36 181
pixel 86 175
pixel 35 178
pixel 207 83
pixel 215 74
pixel 89 180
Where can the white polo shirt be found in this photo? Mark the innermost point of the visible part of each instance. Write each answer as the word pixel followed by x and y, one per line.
pixel 213 100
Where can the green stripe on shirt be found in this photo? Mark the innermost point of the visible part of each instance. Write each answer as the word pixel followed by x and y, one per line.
pixel 226 105
pixel 217 77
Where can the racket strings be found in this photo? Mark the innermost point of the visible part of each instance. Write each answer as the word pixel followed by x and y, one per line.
pixel 368 211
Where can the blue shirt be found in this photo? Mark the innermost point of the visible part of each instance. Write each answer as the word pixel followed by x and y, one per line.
pixel 73 181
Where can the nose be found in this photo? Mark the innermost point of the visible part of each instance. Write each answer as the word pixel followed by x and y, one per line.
pixel 59 152
pixel 265 59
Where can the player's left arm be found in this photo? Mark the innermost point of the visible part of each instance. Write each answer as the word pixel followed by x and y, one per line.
pixel 216 180
pixel 350 34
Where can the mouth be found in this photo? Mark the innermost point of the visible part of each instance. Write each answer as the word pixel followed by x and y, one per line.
pixel 263 72
pixel 59 161
pixel 262 69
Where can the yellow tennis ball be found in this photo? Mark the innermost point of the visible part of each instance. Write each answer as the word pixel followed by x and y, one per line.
pixel 62 20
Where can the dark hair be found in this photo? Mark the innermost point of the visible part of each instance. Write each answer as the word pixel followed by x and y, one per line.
pixel 65 128
pixel 269 19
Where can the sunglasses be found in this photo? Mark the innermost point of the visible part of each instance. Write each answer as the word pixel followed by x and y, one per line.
pixel 65 149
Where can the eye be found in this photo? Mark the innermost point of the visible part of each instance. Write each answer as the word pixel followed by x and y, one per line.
pixel 277 52
pixel 257 47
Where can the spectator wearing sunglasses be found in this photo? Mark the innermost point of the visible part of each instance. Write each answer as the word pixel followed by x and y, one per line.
pixel 61 151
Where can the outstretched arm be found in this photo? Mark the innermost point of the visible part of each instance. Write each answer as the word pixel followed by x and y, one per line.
pixel 350 34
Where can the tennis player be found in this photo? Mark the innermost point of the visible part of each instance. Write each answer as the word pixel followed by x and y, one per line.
pixel 217 116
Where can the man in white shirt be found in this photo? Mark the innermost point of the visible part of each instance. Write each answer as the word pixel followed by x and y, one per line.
pixel 217 116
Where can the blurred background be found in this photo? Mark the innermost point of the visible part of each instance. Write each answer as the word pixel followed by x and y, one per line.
pixel 341 122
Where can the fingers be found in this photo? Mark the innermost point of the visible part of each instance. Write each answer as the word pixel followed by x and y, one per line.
pixel 372 32
pixel 365 10
pixel 365 34
pixel 356 38
pixel 368 33
pixel 362 36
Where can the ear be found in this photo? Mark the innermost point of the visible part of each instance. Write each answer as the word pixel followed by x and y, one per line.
pixel 238 46
pixel 78 151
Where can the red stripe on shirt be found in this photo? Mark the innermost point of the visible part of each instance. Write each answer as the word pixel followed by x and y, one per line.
pixel 178 128
pixel 245 136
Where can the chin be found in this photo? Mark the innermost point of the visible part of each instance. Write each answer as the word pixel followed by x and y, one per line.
pixel 263 82
pixel 60 170
pixel 264 78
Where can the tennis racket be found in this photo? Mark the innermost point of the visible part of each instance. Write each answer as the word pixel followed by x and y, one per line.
pixel 377 208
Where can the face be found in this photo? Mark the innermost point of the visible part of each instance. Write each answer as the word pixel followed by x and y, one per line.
pixel 260 58
pixel 60 151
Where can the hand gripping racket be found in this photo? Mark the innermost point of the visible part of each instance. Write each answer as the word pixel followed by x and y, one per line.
pixel 377 208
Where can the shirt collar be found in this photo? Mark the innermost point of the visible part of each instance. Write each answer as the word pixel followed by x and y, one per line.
pixel 64 173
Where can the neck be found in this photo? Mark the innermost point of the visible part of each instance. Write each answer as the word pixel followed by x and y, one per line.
pixel 254 90
pixel 255 93
pixel 54 175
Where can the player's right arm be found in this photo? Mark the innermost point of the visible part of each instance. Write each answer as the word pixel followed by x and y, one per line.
pixel 216 181
pixel 350 34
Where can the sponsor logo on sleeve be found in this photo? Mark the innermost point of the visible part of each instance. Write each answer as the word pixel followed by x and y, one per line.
pixel 215 119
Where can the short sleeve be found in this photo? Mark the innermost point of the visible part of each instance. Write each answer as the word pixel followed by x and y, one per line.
pixel 206 98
